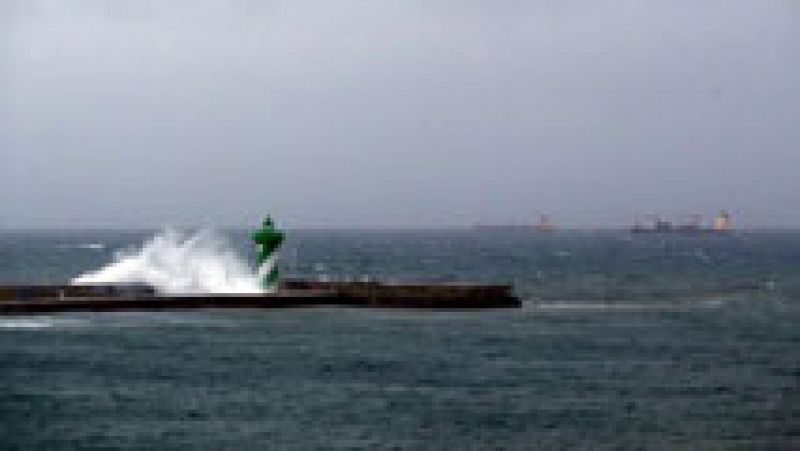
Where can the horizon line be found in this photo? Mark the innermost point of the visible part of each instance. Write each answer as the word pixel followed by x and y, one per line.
pixel 510 227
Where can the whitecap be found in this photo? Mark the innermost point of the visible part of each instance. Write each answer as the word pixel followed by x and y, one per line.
pixel 93 246
pixel 37 323
pixel 175 263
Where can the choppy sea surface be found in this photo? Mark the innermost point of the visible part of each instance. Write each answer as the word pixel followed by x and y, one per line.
pixel 624 341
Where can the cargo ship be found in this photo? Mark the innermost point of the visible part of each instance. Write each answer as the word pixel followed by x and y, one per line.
pixel 656 224
pixel 544 225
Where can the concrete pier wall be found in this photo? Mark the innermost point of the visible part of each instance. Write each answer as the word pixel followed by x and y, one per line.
pixel 294 293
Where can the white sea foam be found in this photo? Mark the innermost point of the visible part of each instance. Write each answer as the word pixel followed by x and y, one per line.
pixel 38 323
pixel 176 263
pixel 25 324
pixel 577 305
pixel 90 246
pixel 94 246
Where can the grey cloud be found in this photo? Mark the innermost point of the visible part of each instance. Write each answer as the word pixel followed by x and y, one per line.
pixel 399 113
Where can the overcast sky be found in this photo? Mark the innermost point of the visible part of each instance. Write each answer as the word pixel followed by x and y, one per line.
pixel 398 113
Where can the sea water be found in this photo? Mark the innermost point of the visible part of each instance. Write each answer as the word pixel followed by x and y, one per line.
pixel 623 341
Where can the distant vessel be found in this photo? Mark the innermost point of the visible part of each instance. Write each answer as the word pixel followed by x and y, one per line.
pixel 543 225
pixel 656 224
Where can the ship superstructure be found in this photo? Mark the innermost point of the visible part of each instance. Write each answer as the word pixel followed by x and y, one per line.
pixel 653 223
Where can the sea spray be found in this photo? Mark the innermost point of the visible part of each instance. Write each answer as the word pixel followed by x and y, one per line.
pixel 178 263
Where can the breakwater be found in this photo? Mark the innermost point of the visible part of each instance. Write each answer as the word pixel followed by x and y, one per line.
pixel 290 294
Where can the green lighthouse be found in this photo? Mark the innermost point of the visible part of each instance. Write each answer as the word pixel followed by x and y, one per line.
pixel 268 239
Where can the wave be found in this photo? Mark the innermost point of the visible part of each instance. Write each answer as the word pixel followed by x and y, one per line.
pixel 38 323
pixel 93 246
pixel 87 246
pixel 177 263
pixel 660 304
